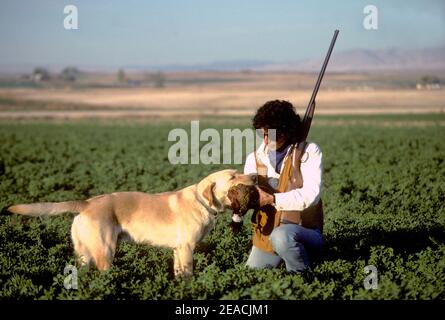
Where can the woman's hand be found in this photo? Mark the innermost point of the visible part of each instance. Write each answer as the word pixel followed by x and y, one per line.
pixel 265 198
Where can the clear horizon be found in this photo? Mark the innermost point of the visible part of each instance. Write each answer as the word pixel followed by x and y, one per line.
pixel 155 33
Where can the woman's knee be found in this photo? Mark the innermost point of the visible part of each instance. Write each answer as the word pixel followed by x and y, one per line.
pixel 281 239
pixel 259 259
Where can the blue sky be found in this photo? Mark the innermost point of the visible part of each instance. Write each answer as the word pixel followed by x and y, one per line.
pixel 119 33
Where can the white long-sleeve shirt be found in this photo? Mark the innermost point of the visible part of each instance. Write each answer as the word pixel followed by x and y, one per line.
pixel 311 171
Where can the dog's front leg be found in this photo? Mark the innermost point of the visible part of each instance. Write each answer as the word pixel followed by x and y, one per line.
pixel 183 260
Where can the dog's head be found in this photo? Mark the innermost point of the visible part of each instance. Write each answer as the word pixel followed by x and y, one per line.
pixel 243 197
pixel 214 189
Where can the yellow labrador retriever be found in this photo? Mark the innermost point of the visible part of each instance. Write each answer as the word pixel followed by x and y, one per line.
pixel 178 220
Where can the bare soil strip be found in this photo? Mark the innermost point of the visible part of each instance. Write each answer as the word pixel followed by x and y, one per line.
pixel 201 102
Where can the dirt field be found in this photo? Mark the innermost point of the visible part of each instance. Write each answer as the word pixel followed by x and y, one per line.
pixel 228 94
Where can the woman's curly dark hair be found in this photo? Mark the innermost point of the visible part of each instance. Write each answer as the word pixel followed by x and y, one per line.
pixel 279 115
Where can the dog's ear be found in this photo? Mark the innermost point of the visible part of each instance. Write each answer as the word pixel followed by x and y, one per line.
pixel 206 190
pixel 234 200
pixel 208 194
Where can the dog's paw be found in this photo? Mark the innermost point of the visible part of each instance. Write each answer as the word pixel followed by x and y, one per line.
pixel 185 272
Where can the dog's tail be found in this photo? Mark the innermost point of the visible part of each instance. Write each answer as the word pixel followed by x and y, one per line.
pixel 48 208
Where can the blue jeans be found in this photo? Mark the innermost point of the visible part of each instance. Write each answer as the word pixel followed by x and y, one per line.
pixel 292 243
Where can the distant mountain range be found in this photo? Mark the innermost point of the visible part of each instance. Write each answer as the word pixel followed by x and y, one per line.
pixel 348 61
pixel 367 60
pixel 234 65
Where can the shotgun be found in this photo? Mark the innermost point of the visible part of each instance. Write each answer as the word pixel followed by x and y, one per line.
pixel 307 120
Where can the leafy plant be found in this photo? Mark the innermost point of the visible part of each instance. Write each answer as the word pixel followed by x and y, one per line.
pixel 383 196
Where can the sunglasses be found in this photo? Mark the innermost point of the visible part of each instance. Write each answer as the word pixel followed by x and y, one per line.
pixel 265 133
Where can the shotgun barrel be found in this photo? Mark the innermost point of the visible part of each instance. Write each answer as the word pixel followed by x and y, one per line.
pixel 307 120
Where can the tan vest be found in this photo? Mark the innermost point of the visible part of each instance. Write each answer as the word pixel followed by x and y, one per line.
pixel 268 218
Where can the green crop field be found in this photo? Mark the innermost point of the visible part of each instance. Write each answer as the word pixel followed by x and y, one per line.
pixel 383 192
